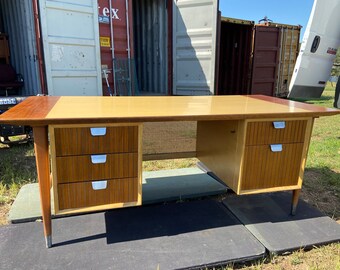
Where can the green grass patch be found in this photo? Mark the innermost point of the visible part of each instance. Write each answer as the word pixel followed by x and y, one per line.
pixel 156 165
pixel 17 167
pixel 324 150
pixel 322 173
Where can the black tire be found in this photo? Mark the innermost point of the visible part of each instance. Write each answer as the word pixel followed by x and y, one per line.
pixel 337 95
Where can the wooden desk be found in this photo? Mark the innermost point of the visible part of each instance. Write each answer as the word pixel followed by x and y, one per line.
pixel 92 145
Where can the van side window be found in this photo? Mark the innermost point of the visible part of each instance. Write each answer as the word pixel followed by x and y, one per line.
pixel 315 44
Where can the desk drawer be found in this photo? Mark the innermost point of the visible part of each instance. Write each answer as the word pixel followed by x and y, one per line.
pixel 96 167
pixel 264 168
pixel 88 141
pixel 265 132
pixel 77 195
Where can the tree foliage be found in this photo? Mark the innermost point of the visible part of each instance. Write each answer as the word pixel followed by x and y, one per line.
pixel 336 65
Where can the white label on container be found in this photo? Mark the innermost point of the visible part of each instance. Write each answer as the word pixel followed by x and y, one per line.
pixel 57 53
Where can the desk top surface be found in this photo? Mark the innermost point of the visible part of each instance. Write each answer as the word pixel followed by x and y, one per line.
pixel 70 110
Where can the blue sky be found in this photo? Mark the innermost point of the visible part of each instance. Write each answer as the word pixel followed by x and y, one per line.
pixel 280 11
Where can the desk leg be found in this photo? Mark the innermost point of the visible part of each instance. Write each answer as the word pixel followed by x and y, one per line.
pixel 295 200
pixel 43 170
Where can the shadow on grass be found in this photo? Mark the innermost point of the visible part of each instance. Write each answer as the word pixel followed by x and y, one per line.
pixel 326 177
pixel 17 165
pixel 321 188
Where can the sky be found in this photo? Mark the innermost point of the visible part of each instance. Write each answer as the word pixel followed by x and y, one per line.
pixel 281 11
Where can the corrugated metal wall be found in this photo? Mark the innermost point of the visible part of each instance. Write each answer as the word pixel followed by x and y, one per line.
pixel 150 36
pixel 18 23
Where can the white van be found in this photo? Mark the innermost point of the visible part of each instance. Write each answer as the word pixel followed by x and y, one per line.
pixel 318 49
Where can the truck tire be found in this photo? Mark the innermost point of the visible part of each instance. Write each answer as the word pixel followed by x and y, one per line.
pixel 337 95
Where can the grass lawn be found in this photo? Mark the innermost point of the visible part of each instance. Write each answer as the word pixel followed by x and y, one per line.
pixel 321 186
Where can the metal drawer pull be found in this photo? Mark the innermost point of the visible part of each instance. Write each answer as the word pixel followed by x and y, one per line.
pixel 97 159
pixel 276 147
pixel 279 125
pixel 101 131
pixel 99 185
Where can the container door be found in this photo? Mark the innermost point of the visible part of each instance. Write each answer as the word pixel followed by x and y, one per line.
pixel 290 37
pixel 194 46
pixel 115 44
pixel 151 45
pixel 71 47
pixel 235 56
pixel 266 56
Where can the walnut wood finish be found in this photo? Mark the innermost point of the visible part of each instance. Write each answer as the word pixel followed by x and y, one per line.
pixel 74 165
pixel 31 111
pixel 263 168
pixel 239 153
pixel 76 195
pixel 80 168
pixel 86 110
pixel 79 141
pixel 264 132
pixel 43 171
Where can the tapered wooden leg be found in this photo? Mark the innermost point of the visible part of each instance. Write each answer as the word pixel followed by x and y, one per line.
pixel 42 161
pixel 295 200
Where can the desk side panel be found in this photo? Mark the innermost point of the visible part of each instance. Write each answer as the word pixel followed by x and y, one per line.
pixel 220 147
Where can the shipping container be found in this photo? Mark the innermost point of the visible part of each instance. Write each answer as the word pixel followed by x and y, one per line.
pixel 289 50
pixel 235 50
pixel 102 47
pixel 116 47
pixel 256 59
pixel 144 47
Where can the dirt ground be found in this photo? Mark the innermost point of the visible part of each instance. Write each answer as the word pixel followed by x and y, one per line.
pixel 4 209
